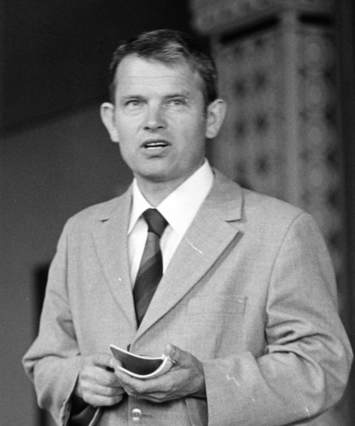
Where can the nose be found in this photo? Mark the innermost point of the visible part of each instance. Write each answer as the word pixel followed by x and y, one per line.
pixel 154 119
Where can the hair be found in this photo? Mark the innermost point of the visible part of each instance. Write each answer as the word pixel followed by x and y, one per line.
pixel 169 47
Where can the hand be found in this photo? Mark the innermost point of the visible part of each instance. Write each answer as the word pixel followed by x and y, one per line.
pixel 97 384
pixel 186 377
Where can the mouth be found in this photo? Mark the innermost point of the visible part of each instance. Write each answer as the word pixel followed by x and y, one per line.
pixel 155 144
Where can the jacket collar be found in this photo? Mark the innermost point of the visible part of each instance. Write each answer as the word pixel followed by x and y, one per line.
pixel 213 230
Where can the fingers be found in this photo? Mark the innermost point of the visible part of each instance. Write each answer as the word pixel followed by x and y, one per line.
pixel 96 400
pixel 97 384
pixel 101 360
pixel 140 389
pixel 186 377
pixel 98 395
pixel 135 387
pixel 158 389
pixel 100 376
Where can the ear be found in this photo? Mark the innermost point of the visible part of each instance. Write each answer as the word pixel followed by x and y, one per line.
pixel 216 112
pixel 107 112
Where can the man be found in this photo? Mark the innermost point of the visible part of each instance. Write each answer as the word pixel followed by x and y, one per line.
pixel 246 304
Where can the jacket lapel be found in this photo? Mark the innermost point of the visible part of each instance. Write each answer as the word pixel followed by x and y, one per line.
pixel 214 228
pixel 110 236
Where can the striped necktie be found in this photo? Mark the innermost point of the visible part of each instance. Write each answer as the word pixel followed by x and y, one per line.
pixel 151 266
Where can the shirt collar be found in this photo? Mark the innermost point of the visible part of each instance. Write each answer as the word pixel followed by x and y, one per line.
pixel 188 196
pixel 139 205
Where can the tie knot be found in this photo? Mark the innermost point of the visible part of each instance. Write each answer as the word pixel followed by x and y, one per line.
pixel 155 221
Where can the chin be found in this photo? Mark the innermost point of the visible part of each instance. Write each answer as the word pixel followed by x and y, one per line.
pixel 154 174
pixel 156 177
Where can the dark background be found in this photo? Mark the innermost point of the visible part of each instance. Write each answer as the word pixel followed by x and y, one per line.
pixel 57 51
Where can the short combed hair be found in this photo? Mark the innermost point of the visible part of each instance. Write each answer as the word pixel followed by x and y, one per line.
pixel 169 47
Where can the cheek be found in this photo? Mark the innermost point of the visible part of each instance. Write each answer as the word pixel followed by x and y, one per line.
pixel 127 151
pixel 190 128
pixel 127 126
pixel 127 137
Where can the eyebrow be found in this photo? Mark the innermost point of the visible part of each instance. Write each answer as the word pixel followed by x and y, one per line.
pixel 128 97
pixel 178 95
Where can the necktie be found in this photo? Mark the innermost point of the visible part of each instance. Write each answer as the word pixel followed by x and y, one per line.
pixel 151 266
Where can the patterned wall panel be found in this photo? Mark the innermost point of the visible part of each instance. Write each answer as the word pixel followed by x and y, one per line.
pixel 211 16
pixel 249 148
pixel 319 155
pixel 278 76
pixel 256 146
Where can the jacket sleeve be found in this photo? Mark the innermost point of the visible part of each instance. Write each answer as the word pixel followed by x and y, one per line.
pixel 53 360
pixel 305 365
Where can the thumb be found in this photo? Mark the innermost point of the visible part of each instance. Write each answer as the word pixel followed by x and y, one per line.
pixel 175 354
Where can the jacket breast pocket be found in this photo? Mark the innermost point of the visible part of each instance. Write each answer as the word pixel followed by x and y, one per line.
pixel 214 325
pixel 216 305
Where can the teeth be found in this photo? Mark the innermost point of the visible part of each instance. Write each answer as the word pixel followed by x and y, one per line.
pixel 155 144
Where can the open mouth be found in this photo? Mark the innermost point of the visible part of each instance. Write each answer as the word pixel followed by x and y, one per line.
pixel 155 144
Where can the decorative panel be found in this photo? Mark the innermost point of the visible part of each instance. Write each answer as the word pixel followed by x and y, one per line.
pixel 280 135
pixel 278 76
pixel 249 148
pixel 319 156
pixel 211 16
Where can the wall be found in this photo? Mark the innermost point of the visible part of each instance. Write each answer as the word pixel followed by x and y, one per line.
pixel 47 173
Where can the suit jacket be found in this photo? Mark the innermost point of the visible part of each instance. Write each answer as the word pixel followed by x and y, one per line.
pixel 250 291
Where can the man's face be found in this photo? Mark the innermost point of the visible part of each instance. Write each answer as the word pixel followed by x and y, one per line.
pixel 159 119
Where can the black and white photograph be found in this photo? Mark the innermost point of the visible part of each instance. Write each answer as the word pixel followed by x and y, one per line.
pixel 177 213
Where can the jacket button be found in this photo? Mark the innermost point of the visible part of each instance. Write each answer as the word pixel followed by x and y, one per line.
pixel 136 414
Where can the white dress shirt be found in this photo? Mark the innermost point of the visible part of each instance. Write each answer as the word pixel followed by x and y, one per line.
pixel 179 209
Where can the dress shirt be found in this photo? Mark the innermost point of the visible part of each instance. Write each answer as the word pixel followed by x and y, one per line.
pixel 186 198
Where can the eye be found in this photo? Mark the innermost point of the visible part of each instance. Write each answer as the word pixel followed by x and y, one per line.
pixel 177 101
pixel 132 104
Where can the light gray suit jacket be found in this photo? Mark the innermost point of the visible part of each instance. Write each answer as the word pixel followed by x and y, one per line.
pixel 250 291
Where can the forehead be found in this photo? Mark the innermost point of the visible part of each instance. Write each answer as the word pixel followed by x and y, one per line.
pixel 136 73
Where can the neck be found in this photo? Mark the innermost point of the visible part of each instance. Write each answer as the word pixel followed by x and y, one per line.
pixel 155 192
